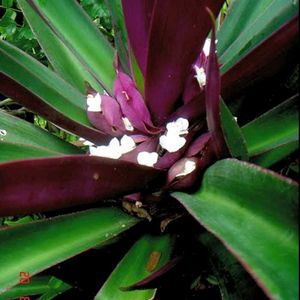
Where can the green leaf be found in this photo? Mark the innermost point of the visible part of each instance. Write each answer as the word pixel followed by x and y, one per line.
pixel 115 7
pixel 38 285
pixel 254 213
pixel 36 246
pixel 24 140
pixel 137 73
pixel 277 127
pixel 7 3
pixel 42 82
pixel 147 255
pixel 275 155
pixel 61 58
pixel 233 281
pixel 249 23
pixel 233 135
pixel 84 39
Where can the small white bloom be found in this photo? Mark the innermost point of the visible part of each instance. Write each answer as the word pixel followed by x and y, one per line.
pixel 127 124
pixel 235 118
pixel 180 126
pixel 147 158
pixel 172 142
pixel 94 102
pixel 127 144
pixel 206 47
pixel 188 168
pixel 86 142
pixel 200 76
pixel 3 132
pixel 115 148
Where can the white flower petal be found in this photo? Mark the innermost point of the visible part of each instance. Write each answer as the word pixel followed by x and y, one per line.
pixel 189 167
pixel 147 158
pixel 127 124
pixel 127 144
pixel 94 103
pixel 206 47
pixel 114 143
pixel 200 76
pixel 171 142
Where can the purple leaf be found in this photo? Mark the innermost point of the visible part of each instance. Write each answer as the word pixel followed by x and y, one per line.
pixel 38 185
pixel 15 91
pixel 212 99
pixel 112 112
pixel 177 35
pixel 137 18
pixel 263 61
pixel 132 102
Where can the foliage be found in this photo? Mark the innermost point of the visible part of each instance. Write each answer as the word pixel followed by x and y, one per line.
pixel 156 141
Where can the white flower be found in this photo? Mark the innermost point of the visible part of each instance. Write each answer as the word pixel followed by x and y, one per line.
pixel 180 126
pixel 127 144
pixel 127 124
pixel 206 47
pixel 200 76
pixel 94 102
pixel 3 132
pixel 188 168
pixel 115 148
pixel 172 140
pixel 147 158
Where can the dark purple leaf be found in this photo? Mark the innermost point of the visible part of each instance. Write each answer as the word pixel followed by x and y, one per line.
pixel 177 35
pixel 212 100
pixel 263 61
pixel 15 91
pixel 38 185
pixel 137 18
pixel 132 102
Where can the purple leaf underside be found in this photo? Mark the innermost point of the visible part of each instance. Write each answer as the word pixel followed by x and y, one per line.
pixel 176 38
pixel 31 186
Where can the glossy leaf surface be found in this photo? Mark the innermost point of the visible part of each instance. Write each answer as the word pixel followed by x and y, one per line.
pixel 24 140
pixel 233 135
pixel 276 127
pixel 91 48
pixel 36 246
pixel 254 213
pixel 259 21
pixel 38 285
pixel 147 255
pixel 60 56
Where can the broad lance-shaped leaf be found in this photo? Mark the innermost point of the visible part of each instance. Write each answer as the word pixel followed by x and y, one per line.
pixel 276 127
pixel 21 139
pixel 147 255
pixel 115 7
pixel 38 285
pixel 36 246
pixel 61 58
pixel 254 213
pixel 176 37
pixel 213 99
pixel 39 89
pixel 138 15
pixel 233 280
pixel 233 135
pixel 265 22
pixel 262 62
pixel 52 183
pixel 91 48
